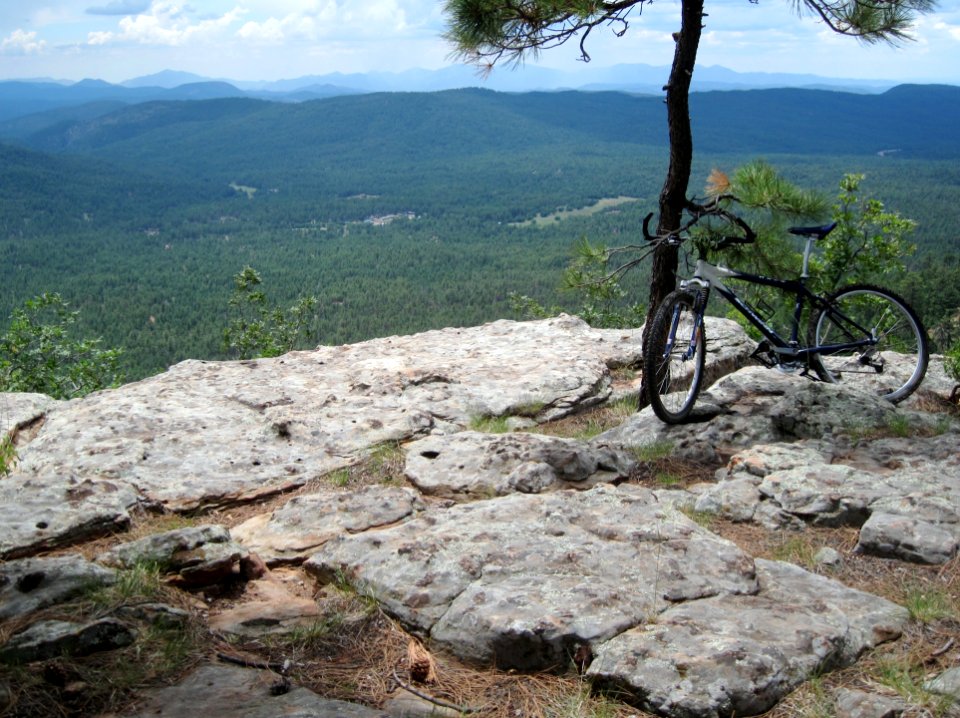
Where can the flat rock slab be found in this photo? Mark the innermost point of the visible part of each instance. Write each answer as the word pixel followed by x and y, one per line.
pixel 218 690
pixel 41 512
pixel 472 464
pixel 521 580
pixel 30 584
pixel 738 654
pixel 209 434
pixel 292 532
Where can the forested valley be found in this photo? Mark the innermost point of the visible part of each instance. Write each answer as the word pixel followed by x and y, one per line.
pixel 406 211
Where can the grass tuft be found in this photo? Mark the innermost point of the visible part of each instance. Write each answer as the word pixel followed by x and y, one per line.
pixel 490 424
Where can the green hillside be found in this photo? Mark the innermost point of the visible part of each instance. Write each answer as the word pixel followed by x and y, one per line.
pixel 141 215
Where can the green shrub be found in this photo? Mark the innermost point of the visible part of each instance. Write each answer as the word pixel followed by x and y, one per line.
pixel 259 330
pixel 38 353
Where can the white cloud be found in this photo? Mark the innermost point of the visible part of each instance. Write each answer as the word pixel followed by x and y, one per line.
pixel 949 29
pixel 167 24
pixel 20 42
pixel 303 25
pixel 312 20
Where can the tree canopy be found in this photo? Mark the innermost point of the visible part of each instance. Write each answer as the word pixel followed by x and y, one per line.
pixel 487 31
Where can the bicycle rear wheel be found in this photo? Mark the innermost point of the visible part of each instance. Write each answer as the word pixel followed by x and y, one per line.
pixel 674 359
pixel 894 364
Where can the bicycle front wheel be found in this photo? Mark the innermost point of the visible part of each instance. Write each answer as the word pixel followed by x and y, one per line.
pixel 892 355
pixel 674 358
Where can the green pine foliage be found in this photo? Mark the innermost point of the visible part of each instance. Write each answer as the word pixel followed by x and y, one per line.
pixel 258 329
pixel 39 353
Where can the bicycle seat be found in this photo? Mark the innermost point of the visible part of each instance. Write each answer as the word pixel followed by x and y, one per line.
pixel 817 232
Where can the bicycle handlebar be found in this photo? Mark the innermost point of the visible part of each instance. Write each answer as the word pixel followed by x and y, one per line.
pixel 748 237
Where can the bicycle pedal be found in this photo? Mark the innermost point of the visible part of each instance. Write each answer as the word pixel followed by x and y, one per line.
pixel 764 355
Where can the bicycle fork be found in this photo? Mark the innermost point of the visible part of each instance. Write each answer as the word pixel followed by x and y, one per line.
pixel 701 293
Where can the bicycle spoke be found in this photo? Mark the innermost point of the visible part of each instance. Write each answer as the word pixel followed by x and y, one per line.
pixel 894 362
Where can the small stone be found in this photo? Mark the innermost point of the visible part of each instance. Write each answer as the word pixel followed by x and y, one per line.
pixel 156 614
pixel 407 705
pixel 861 704
pixel 946 684
pixel 828 557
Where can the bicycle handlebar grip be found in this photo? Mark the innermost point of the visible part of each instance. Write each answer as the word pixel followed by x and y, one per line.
pixel 646 228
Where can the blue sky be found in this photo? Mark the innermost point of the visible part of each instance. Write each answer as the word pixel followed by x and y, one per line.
pixel 273 39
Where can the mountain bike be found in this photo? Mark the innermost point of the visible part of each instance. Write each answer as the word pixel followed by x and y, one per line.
pixel 860 335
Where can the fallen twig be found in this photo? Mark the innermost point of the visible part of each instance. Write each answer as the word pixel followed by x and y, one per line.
pixel 436 701
pixel 253 662
pixel 943 649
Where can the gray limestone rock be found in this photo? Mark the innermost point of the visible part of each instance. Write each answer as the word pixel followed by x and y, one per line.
pixel 47 639
pixel 210 434
pixel 827 557
pixel 199 555
pixel 29 584
pixel 903 492
pixel 47 512
pixel 292 532
pixel 824 494
pixel 218 690
pixel 683 621
pixel 861 704
pixel 523 578
pixel 161 548
pixel 477 465
pixel 18 410
pixel 908 538
pixel 946 684
pixel 739 654
pixel 735 499
pixel 159 615
pixel 407 705
pixel 752 406
pixel 761 460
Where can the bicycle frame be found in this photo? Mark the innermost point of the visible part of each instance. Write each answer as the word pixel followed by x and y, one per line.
pixel 708 276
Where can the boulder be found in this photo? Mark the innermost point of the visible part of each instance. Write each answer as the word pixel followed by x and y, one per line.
pixel 861 704
pixel 46 512
pixel 19 410
pixel 756 405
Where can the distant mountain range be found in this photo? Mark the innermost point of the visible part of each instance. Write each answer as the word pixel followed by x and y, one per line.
pixel 915 121
pixel 27 97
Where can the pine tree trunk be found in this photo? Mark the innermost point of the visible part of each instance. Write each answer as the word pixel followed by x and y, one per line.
pixel 673 196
